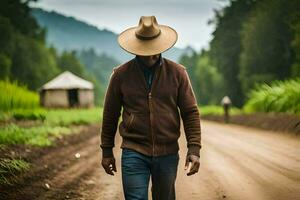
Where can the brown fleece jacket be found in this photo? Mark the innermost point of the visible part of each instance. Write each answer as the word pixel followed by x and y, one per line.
pixel 150 118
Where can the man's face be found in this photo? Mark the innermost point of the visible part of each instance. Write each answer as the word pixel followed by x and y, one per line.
pixel 149 60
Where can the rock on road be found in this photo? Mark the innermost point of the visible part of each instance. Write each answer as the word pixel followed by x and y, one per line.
pixel 237 163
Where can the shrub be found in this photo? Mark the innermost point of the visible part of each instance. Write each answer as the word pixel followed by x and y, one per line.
pixel 280 96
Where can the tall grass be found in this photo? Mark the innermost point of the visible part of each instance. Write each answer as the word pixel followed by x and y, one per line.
pixel 13 96
pixel 280 96
pixel 10 168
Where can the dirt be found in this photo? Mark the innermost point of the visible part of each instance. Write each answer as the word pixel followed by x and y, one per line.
pixel 269 121
pixel 236 163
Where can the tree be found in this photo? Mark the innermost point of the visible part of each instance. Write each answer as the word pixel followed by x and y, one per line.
pixel 32 63
pixel 266 38
pixel 18 13
pixel 226 45
pixel 68 61
pixel 294 23
pixel 209 82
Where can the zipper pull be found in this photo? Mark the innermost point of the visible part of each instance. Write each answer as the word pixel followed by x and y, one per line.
pixel 149 94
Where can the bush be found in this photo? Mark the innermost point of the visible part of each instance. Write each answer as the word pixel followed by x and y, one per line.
pixel 280 96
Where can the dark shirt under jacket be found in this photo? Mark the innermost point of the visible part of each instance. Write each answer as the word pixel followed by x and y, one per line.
pixel 149 71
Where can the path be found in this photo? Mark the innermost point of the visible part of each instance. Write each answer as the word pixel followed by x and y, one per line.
pixel 236 163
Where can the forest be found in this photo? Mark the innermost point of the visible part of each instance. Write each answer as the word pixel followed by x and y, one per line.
pixel 255 42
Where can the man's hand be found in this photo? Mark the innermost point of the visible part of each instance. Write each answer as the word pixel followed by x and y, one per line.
pixel 195 164
pixel 109 165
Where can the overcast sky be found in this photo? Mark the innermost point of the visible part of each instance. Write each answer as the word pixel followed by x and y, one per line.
pixel 188 17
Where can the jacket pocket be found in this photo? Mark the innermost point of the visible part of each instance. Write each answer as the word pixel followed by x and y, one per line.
pixel 129 122
pixel 136 127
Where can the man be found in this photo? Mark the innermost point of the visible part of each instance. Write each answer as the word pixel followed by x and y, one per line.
pixel 150 89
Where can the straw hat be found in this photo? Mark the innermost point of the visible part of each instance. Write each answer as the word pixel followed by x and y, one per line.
pixel 148 38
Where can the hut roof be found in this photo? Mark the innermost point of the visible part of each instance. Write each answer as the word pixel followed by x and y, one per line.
pixel 67 80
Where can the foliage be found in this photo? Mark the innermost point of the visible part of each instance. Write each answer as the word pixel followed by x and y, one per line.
pixel 67 61
pixel 294 23
pixel 13 96
pixel 209 81
pixel 100 66
pixel 65 117
pixel 23 53
pixel 36 136
pixel 226 46
pixel 206 80
pixel 280 96
pixel 217 110
pixel 18 13
pixel 10 168
pixel 32 62
pixel 55 117
pixel 29 114
pixel 266 39
pixel 253 42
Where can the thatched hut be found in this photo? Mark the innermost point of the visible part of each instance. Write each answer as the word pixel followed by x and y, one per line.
pixel 67 90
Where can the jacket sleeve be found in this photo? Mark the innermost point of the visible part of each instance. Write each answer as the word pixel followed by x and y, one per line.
pixel 190 115
pixel 111 114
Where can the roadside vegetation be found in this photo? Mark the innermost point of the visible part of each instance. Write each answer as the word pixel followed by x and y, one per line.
pixel 10 168
pixel 14 96
pixel 217 110
pixel 280 96
pixel 53 124
pixel 24 122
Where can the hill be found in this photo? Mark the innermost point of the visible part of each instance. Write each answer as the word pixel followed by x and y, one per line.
pixel 68 33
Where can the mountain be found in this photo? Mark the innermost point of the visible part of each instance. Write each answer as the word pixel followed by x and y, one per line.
pixel 68 33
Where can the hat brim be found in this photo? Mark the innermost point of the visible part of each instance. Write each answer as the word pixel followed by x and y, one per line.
pixel 130 43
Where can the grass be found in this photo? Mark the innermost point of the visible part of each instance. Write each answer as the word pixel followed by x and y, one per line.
pixel 14 96
pixel 280 96
pixel 63 117
pixel 217 110
pixel 29 114
pixel 55 123
pixel 35 136
pixel 16 104
pixel 66 117
pixel 23 114
pixel 10 168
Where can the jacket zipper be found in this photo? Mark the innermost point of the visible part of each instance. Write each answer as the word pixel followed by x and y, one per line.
pixel 151 120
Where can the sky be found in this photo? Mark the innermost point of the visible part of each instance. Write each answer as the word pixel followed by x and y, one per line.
pixel 188 17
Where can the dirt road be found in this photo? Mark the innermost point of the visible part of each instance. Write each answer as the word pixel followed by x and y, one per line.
pixel 236 163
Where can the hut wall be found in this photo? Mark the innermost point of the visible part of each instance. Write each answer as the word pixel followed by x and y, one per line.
pixel 55 98
pixel 86 98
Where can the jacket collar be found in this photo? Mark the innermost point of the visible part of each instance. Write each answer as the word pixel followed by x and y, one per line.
pixel 156 75
pixel 153 67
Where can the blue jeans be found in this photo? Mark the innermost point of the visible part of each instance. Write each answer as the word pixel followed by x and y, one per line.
pixel 137 169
